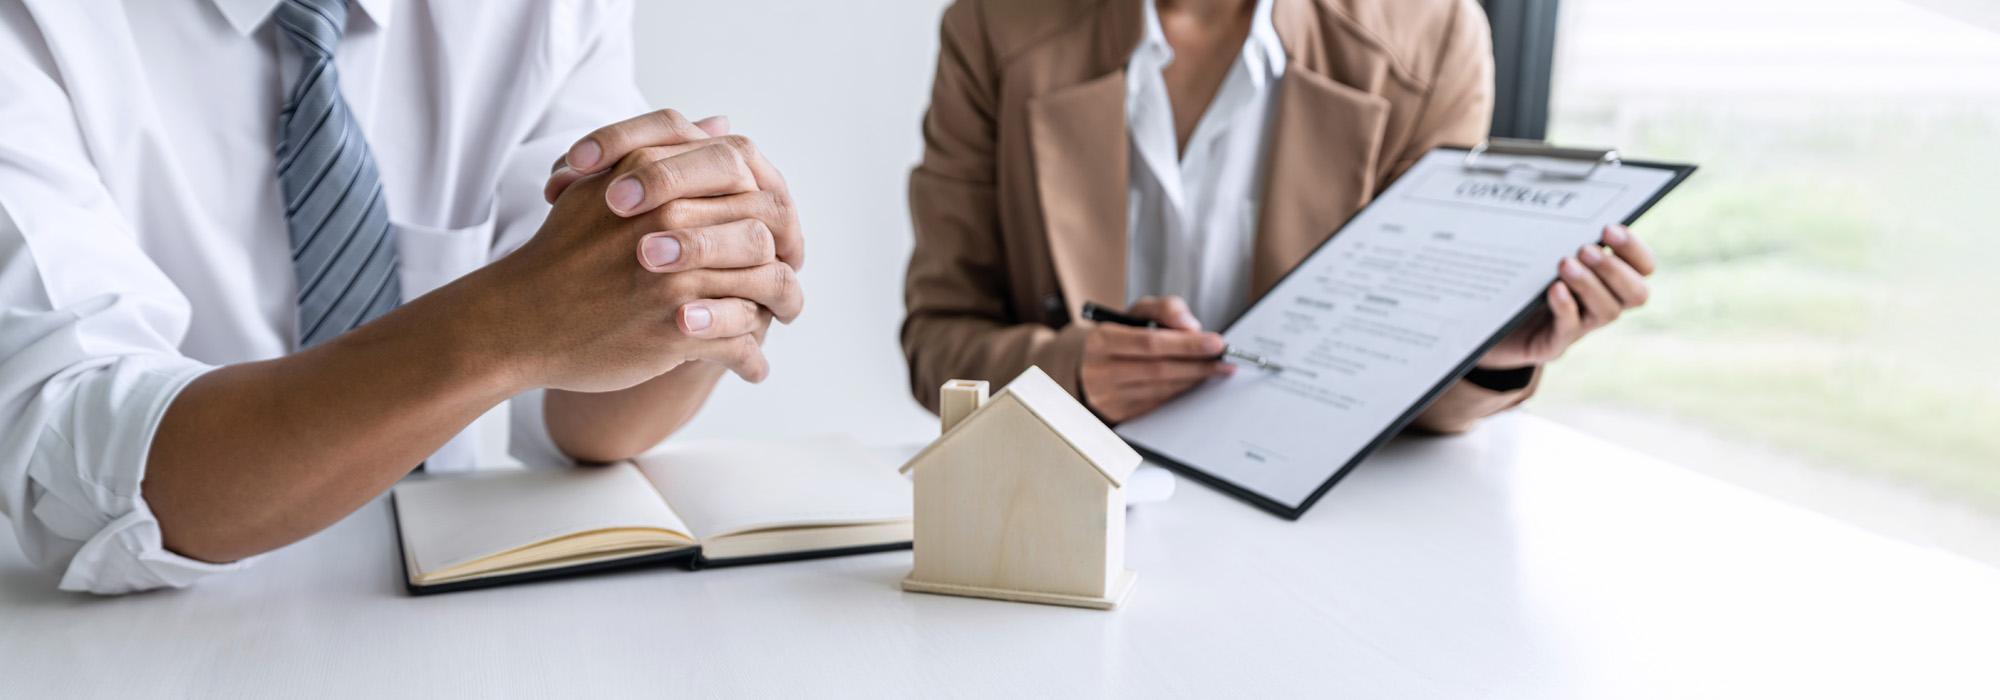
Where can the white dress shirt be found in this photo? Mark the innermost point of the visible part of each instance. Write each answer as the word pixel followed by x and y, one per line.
pixel 1192 221
pixel 142 240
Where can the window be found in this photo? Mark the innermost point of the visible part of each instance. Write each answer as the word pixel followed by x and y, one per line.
pixel 1824 324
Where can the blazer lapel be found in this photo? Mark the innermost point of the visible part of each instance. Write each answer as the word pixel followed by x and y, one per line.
pixel 1325 145
pixel 1081 172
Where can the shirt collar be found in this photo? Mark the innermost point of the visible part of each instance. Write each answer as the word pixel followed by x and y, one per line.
pixel 1263 52
pixel 247 15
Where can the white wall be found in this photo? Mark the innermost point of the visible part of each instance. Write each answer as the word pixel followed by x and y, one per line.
pixel 833 92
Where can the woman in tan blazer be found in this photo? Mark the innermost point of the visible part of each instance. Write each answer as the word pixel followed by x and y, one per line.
pixel 1070 157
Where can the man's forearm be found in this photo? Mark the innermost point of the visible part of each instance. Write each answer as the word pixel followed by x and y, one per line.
pixel 254 456
pixel 615 425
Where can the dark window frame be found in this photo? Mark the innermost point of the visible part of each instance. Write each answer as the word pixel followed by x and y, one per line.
pixel 1524 50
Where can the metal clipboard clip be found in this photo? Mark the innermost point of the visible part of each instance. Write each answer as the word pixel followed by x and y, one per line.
pixel 1480 159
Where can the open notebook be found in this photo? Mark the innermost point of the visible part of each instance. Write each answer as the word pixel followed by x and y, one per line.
pixel 705 503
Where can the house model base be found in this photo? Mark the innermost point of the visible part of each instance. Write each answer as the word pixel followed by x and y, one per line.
pixel 1021 498
pixel 1119 591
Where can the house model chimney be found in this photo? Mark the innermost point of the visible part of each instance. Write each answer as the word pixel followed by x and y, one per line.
pixel 958 399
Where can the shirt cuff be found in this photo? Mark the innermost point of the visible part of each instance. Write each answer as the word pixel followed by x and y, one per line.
pixel 128 554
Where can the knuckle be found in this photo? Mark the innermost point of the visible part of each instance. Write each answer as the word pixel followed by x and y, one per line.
pixel 663 179
pixel 745 313
pixel 722 319
pixel 740 144
pixel 744 349
pixel 1093 346
pixel 1115 339
pixel 677 214
pixel 612 136
pixel 784 276
pixel 739 168
pixel 727 159
pixel 695 247
pixel 635 160
pixel 779 207
pixel 652 154
pixel 713 153
pixel 765 245
pixel 787 286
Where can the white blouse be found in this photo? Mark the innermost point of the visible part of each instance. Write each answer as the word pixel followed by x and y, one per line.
pixel 1192 222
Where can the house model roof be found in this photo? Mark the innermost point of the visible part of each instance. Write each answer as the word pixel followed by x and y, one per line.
pixel 1054 407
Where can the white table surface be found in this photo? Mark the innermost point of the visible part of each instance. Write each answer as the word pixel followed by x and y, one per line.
pixel 1523 560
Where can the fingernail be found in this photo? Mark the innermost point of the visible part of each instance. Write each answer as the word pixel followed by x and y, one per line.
pixel 1190 321
pixel 1225 369
pixel 625 194
pixel 1212 345
pixel 1614 235
pixel 584 154
pixel 660 251
pixel 1570 268
pixel 696 317
pixel 1590 255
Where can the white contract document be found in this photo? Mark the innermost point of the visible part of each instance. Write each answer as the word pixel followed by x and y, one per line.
pixel 1385 315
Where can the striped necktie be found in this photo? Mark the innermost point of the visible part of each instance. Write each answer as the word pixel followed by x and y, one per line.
pixel 342 250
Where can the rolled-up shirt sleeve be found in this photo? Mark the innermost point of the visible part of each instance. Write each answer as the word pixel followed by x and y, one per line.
pixel 89 331
pixel 594 47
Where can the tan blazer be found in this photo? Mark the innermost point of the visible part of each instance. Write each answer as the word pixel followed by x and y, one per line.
pixel 1019 204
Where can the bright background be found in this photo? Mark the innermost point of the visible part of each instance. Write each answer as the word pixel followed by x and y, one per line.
pixel 1823 324
pixel 833 93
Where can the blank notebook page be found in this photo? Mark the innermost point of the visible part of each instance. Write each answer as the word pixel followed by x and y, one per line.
pixel 728 487
pixel 447 522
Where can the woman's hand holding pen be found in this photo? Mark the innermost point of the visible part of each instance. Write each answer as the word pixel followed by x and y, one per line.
pixel 1129 371
pixel 1595 287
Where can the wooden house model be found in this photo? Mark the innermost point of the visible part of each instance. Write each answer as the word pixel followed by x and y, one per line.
pixel 1022 498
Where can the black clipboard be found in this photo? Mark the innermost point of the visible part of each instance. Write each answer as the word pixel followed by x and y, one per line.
pixel 1476 158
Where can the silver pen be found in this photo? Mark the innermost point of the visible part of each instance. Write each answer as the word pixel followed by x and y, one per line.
pixel 1097 312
